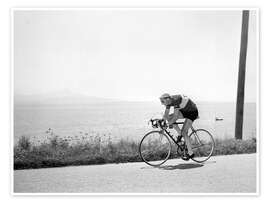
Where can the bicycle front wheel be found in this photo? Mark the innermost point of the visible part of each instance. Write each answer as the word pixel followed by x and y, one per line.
pixel 202 144
pixel 155 148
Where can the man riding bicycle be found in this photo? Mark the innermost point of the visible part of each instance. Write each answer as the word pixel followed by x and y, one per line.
pixel 184 108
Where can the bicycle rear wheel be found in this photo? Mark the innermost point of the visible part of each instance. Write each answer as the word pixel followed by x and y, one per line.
pixel 155 148
pixel 202 144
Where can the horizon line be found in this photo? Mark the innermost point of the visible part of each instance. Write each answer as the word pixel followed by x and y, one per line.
pixel 75 95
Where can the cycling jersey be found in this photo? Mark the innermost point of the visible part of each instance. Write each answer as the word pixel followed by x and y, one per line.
pixel 178 101
pixel 187 107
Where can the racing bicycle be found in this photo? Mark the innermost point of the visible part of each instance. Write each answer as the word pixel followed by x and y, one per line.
pixel 156 147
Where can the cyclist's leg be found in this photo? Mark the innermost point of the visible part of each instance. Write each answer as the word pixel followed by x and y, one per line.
pixel 175 126
pixel 187 125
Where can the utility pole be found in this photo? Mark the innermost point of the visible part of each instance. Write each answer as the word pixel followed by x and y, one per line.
pixel 241 77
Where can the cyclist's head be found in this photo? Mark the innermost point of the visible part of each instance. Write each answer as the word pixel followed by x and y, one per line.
pixel 165 99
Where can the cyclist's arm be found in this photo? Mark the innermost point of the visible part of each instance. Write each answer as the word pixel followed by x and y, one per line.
pixel 175 115
pixel 166 113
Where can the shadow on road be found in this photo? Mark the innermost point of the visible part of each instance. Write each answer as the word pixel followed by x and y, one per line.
pixel 181 166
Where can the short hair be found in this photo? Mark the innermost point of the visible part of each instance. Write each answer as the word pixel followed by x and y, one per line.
pixel 165 95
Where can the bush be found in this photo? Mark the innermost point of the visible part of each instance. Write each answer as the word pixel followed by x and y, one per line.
pixel 24 143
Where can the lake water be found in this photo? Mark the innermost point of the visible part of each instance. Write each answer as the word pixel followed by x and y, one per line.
pixel 120 120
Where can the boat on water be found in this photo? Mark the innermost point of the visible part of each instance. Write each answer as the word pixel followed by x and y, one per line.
pixel 218 119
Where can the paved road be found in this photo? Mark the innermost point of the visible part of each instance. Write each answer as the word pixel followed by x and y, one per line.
pixel 221 174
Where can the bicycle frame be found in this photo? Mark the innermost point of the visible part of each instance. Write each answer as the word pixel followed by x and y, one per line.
pixel 175 141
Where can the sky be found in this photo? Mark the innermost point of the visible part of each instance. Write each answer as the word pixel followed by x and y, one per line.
pixel 133 54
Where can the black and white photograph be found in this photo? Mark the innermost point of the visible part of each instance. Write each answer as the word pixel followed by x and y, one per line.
pixel 135 101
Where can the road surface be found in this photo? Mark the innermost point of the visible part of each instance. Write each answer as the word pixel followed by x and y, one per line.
pixel 220 174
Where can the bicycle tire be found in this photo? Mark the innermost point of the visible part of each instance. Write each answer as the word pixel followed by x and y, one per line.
pixel 158 158
pixel 202 154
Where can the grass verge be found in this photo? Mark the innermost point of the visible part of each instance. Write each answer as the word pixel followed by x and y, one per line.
pixel 58 152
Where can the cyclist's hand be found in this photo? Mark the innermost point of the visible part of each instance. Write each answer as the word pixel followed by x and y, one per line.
pixel 163 123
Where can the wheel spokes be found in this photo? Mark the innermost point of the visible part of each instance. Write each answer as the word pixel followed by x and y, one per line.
pixel 202 145
pixel 155 148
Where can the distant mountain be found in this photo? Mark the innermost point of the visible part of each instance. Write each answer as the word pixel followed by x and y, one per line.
pixel 59 98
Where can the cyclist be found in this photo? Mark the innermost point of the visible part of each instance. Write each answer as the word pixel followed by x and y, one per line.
pixel 184 108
